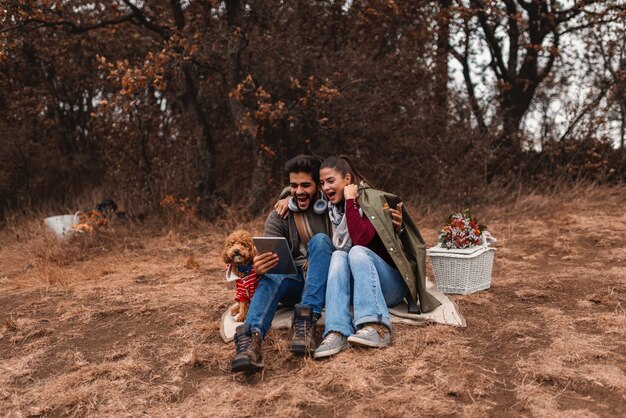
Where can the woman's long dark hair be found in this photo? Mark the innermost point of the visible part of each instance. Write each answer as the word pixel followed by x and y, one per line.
pixel 344 165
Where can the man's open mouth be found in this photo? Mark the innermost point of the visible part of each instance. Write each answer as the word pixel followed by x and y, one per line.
pixel 302 199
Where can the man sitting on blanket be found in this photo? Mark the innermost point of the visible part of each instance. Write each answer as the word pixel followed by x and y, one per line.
pixel 307 232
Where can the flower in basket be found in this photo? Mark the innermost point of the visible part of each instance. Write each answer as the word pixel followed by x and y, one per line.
pixel 461 231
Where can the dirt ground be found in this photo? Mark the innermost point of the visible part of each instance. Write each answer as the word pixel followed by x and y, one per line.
pixel 126 323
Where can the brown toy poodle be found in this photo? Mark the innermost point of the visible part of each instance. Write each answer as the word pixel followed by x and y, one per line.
pixel 239 253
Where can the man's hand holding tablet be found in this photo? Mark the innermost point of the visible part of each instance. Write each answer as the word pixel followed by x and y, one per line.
pixel 265 262
pixel 274 256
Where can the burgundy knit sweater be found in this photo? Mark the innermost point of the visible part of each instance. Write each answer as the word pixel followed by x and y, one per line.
pixel 362 232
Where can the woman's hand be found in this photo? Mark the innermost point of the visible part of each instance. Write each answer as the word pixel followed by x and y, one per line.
pixel 396 217
pixel 264 263
pixel 351 191
pixel 282 207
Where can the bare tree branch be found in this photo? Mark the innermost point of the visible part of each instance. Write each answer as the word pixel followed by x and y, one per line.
pixel 463 59
pixel 548 67
pixel 514 35
pixel 71 26
pixel 591 24
pixel 179 16
pixel 146 21
pixel 492 41
pixel 604 89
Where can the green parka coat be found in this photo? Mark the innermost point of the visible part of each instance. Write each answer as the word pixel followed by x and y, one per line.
pixel 407 249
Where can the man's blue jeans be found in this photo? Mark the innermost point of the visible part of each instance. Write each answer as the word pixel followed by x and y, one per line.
pixel 291 289
pixel 366 280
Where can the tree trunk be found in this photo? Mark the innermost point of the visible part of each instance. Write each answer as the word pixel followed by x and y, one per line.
pixel 206 150
pixel 258 193
pixel 441 70
pixel 205 145
pixel 514 103
pixel 623 125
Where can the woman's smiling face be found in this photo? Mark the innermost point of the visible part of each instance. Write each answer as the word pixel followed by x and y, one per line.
pixel 332 183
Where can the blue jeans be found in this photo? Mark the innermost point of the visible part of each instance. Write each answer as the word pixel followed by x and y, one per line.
pixel 291 289
pixel 366 280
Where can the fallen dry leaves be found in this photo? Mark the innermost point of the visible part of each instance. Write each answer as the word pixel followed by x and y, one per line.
pixel 126 322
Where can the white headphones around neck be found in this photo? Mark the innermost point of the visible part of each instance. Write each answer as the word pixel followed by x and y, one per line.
pixel 320 206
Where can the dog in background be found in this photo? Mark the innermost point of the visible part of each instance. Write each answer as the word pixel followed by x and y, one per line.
pixel 238 254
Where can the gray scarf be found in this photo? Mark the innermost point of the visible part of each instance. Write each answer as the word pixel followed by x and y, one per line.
pixel 341 237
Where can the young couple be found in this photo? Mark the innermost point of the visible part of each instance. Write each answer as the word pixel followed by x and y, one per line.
pixel 375 259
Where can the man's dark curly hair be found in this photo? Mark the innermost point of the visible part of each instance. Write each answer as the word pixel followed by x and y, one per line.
pixel 305 164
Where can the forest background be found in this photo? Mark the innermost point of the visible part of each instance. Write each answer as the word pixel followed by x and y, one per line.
pixel 183 109
pixel 200 103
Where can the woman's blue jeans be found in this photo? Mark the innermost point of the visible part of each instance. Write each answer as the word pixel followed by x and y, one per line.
pixel 366 280
pixel 291 289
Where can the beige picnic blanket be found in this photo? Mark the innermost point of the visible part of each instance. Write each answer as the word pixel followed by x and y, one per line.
pixel 447 313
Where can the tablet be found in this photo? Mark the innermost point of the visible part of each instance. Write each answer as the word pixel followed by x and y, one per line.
pixel 279 246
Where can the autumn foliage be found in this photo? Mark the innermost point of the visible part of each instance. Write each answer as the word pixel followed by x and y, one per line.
pixel 207 99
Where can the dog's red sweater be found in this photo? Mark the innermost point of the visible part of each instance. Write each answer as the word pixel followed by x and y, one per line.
pixel 246 286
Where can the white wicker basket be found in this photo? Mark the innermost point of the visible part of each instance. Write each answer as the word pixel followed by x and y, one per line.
pixel 462 271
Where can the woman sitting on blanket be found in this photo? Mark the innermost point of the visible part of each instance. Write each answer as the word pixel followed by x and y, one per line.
pixel 379 260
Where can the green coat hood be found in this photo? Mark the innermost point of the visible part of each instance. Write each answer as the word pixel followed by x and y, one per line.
pixel 408 250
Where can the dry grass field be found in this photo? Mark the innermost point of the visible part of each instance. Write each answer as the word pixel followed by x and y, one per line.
pixel 126 323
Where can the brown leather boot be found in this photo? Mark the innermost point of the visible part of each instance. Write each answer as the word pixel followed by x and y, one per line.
pixel 248 357
pixel 304 340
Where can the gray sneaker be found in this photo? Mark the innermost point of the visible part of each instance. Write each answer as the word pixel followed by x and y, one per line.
pixel 332 344
pixel 369 337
